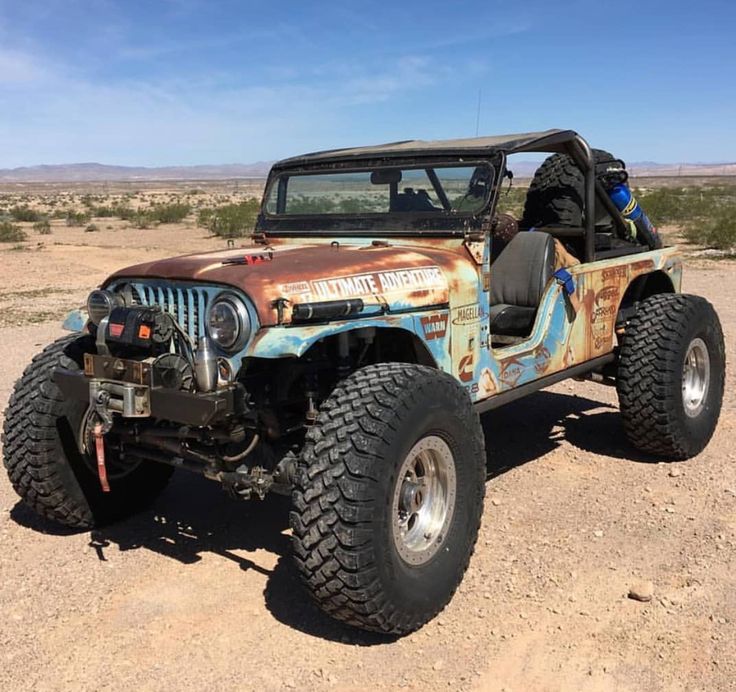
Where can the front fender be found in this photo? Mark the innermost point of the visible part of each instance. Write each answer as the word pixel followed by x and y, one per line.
pixel 292 341
pixel 76 321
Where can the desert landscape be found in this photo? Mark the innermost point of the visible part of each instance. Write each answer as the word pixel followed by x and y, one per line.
pixel 199 591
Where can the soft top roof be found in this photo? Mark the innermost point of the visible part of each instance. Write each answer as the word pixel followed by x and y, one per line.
pixel 548 140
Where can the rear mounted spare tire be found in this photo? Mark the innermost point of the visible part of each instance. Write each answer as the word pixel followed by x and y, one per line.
pixel 556 194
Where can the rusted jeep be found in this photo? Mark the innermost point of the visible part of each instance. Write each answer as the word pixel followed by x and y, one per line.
pixel 345 355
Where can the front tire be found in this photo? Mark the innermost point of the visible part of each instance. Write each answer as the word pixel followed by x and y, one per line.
pixel 388 497
pixel 41 454
pixel 671 375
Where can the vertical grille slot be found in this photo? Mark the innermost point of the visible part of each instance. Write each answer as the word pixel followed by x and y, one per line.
pixel 186 305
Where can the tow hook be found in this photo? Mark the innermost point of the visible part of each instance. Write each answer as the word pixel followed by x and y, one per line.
pixel 99 435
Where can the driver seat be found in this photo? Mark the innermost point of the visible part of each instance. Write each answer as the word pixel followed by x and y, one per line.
pixel 518 279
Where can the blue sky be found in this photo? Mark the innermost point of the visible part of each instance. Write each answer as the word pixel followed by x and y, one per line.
pixel 200 81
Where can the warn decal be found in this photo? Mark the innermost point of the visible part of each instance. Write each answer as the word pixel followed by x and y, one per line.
pixel 434 326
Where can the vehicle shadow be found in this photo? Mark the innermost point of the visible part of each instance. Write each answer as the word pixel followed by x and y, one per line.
pixel 531 427
pixel 193 516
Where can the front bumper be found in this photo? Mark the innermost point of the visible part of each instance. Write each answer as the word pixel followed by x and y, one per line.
pixel 187 408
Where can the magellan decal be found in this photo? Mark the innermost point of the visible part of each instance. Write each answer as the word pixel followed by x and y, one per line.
pixel 434 326
pixel 374 283
pixel 468 314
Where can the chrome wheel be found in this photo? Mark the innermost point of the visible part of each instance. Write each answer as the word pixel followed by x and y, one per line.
pixel 695 377
pixel 424 500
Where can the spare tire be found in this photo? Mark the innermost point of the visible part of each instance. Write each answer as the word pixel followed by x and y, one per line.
pixel 556 194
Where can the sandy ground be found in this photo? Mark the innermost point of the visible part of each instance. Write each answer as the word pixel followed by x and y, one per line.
pixel 199 592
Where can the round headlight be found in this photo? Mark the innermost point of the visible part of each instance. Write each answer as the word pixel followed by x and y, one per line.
pixel 100 304
pixel 228 323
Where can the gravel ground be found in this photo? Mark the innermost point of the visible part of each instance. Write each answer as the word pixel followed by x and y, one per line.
pixel 199 592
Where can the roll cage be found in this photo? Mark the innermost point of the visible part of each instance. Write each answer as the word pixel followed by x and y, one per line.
pixel 492 151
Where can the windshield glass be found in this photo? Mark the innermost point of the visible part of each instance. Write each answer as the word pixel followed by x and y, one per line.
pixel 443 190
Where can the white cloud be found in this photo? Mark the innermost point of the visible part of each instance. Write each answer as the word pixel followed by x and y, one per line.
pixel 19 68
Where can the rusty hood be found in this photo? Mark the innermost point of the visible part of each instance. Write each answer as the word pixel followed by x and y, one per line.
pixel 394 276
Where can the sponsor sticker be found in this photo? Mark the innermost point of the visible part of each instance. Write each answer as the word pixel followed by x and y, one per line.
pixel 468 314
pixel 372 283
pixel 434 326
pixel 465 368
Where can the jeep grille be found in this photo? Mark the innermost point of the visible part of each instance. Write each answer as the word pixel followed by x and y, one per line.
pixel 186 304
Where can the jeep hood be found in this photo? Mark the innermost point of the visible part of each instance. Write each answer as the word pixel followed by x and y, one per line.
pixel 397 277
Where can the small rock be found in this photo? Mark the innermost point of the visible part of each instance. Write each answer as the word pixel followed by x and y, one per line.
pixel 642 591
pixel 598 533
pixel 439 665
pixel 495 502
pixel 675 472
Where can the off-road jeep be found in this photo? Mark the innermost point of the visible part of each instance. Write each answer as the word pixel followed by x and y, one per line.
pixel 344 357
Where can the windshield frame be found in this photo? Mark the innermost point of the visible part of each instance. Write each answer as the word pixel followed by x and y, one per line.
pixel 433 223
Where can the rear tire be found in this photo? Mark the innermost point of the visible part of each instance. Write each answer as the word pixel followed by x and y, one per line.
pixel 671 375
pixel 388 497
pixel 41 454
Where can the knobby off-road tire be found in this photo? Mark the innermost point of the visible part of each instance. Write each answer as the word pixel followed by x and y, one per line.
pixel 42 457
pixel 671 375
pixel 390 442
pixel 557 193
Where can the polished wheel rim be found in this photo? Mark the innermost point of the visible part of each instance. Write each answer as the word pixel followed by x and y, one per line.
pixel 695 377
pixel 424 500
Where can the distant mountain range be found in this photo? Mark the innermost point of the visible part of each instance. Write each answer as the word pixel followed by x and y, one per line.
pixel 525 169
pixel 98 172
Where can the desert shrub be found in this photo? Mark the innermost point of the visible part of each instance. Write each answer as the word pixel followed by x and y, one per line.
pixel 91 228
pixel 230 220
pixel 168 213
pixel 43 227
pixel 684 205
pixel 718 231
pixel 121 211
pixel 25 213
pixel 141 220
pixel 76 218
pixel 11 232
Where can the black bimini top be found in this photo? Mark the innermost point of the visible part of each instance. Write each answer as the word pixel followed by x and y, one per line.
pixel 546 141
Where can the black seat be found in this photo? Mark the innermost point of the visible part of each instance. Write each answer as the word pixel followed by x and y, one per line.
pixel 518 279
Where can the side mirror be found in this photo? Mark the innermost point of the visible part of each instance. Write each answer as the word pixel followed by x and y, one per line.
pixel 385 176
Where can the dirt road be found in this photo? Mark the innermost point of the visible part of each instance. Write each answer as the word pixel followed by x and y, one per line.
pixel 199 592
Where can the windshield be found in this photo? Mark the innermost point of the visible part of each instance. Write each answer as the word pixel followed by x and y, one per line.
pixel 437 190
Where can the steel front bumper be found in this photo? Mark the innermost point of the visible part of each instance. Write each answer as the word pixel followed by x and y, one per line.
pixel 137 401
